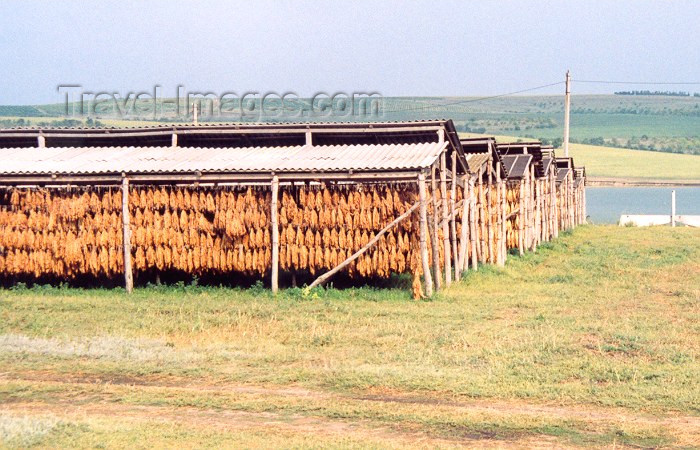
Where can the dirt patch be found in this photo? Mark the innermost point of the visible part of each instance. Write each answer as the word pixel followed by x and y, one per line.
pixel 517 407
pixel 685 429
pixel 158 381
pixel 269 422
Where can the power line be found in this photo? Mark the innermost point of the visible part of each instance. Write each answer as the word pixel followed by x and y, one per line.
pixel 636 82
pixel 473 100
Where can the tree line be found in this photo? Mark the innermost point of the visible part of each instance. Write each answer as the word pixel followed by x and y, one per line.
pixel 666 93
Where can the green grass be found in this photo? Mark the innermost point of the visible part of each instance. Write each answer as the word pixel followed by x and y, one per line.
pixel 625 163
pixel 604 321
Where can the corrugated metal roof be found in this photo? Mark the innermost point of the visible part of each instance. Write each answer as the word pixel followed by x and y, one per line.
pixel 562 174
pixel 546 163
pixel 516 165
pixel 205 125
pixel 476 160
pixel 306 158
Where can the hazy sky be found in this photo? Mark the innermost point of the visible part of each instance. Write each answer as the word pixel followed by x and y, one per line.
pixel 410 48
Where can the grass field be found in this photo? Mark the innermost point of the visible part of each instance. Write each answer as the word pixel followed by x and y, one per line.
pixel 626 163
pixel 591 341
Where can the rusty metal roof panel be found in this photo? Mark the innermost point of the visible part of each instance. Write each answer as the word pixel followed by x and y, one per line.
pixel 306 158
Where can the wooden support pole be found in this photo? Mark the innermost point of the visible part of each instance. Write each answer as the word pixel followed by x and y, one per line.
pixel 504 211
pixel 41 141
pixel 453 218
pixel 538 212
pixel 531 209
pixel 553 190
pixel 521 219
pixel 571 198
pixel 173 140
pixel 500 220
pixel 427 279
pixel 275 235
pixel 447 249
pixel 483 233
pixel 472 225
pixel 489 212
pixel 126 238
pixel 326 276
pixel 583 201
pixel 503 241
pixel 461 264
pixel 434 233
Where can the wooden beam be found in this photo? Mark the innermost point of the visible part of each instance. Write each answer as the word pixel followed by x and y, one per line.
pixel 445 226
pixel 453 220
pixel 504 224
pixel 427 278
pixel 521 219
pixel 461 257
pixel 434 232
pixel 326 276
pixel 275 234
pixel 126 237
pixel 472 225
pixel 489 212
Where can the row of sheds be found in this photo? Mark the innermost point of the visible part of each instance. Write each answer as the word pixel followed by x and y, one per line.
pixel 284 155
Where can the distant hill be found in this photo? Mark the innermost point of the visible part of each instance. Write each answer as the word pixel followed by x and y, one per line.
pixel 659 123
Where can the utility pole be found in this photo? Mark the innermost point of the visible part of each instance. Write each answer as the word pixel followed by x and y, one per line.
pixel 567 108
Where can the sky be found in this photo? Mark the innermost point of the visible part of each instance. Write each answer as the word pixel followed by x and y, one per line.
pixel 411 48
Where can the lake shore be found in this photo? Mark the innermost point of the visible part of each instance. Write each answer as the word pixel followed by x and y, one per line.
pixel 638 182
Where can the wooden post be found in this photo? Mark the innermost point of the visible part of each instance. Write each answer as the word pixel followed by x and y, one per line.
pixel 521 218
pixel 41 141
pixel 434 233
pixel 472 225
pixel 126 238
pixel 423 236
pixel 553 188
pixel 489 210
pixel 173 140
pixel 538 212
pixel 483 251
pixel 275 235
pixel 500 210
pixel 461 264
pixel 445 217
pixel 453 215
pixel 504 212
pixel 570 192
pixel 531 208
pixel 583 200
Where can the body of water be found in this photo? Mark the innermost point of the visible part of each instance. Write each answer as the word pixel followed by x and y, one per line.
pixel 606 204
